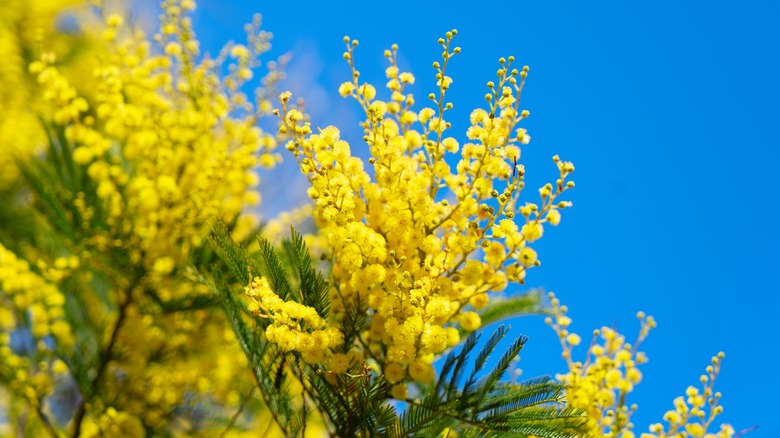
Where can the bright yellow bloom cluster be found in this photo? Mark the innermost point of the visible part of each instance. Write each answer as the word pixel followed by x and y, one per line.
pixel 25 292
pixel 422 244
pixel 609 373
pixel 174 359
pixel 31 310
pixel 166 141
pixel 694 414
pixel 294 326
pixel 23 25
pixel 61 268
pixel 601 384
pixel 114 423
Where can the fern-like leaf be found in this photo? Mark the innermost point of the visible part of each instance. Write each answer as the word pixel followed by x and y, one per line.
pixel 230 253
pixel 486 405
pixel 275 271
pixel 266 360
pixel 453 365
pixel 529 303
pixel 488 384
pixel 314 290
pixel 479 363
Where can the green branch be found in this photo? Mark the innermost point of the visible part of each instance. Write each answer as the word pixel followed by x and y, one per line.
pixel 106 357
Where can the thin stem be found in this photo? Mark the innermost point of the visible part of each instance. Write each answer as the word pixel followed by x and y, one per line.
pixel 268 404
pixel 446 413
pixel 106 357
pixel 303 396
pixel 46 422
pixel 241 407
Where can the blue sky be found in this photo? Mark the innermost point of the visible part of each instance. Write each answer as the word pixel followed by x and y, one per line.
pixel 668 109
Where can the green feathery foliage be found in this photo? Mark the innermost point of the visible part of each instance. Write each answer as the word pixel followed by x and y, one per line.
pixel 488 404
pixel 355 402
pixel 474 402
pixel 529 303
pixel 66 216
pixel 314 291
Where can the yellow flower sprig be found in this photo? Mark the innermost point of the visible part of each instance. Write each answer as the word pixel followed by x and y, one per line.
pixel 25 27
pixel 294 326
pixel 421 243
pixel 694 414
pixel 601 383
pixel 167 141
pixel 31 307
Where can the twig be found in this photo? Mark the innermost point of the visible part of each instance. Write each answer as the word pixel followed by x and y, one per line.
pixel 234 418
pixel 46 422
pixel 744 431
pixel 105 358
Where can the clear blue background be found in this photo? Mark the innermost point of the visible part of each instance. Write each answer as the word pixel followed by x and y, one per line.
pixel 669 109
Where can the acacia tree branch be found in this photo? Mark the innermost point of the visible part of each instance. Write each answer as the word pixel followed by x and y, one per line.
pixel 46 421
pixel 235 416
pixel 106 357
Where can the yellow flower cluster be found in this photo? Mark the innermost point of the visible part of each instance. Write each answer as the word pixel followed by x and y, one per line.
pixel 166 141
pixel 422 244
pixel 61 268
pixel 609 373
pixel 294 326
pixel 601 384
pixel 171 360
pixel 31 309
pixel 694 414
pixel 28 298
pixel 23 25
pixel 114 423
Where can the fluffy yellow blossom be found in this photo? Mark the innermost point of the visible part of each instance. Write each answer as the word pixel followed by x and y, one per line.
pixel 470 321
pixel 553 217
pixel 339 363
pixel 421 371
pixel 601 383
pixel 24 26
pixel 189 149
pixel 29 303
pixel 295 326
pixel 696 412
pixel 346 89
pixel 532 231
pixel 394 373
pixel 163 145
pixel 399 391
pixel 423 242
pixel 528 257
